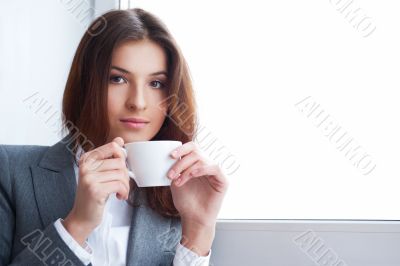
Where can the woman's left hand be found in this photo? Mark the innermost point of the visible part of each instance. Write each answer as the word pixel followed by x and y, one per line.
pixel 199 189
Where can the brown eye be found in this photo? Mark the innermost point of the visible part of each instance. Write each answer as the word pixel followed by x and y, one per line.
pixel 117 79
pixel 157 84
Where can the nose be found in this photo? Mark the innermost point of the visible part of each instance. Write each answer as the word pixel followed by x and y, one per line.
pixel 137 98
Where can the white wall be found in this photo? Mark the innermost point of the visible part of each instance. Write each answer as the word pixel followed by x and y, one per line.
pixel 37 42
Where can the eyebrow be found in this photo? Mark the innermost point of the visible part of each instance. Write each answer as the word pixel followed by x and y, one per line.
pixel 127 72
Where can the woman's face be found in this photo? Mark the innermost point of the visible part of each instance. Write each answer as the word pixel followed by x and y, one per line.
pixel 136 89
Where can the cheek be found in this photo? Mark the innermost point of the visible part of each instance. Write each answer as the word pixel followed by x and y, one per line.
pixel 158 100
pixel 112 104
pixel 159 110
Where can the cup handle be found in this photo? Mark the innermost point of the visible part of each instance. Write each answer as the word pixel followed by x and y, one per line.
pixel 130 173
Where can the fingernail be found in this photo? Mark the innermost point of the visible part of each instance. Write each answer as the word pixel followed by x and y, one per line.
pixel 174 153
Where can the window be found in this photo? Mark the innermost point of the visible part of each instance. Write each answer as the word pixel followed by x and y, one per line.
pixel 303 95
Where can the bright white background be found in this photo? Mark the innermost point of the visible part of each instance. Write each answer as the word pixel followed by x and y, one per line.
pixel 251 62
pixel 37 43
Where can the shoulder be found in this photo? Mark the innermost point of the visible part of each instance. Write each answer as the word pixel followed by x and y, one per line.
pixel 21 154
pixel 15 162
pixel 18 158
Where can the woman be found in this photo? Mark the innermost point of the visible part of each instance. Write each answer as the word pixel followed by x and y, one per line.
pixel 73 203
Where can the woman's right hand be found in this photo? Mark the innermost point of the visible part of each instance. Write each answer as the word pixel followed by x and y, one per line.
pixel 102 171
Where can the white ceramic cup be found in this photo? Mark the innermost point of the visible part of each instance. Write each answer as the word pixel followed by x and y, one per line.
pixel 148 162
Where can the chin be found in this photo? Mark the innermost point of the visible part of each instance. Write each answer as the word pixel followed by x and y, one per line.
pixel 131 138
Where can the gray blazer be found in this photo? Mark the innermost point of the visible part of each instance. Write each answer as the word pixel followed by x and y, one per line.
pixel 37 186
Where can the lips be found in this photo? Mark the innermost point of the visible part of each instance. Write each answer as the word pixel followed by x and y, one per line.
pixel 134 122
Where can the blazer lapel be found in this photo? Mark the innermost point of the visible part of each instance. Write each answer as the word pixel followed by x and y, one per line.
pixel 152 238
pixel 54 183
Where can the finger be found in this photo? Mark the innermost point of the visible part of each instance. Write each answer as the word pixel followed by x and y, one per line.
pixel 114 187
pixel 119 141
pixel 102 165
pixel 187 174
pixel 204 170
pixel 214 174
pixel 183 150
pixel 213 170
pixel 113 175
pixel 109 164
pixel 182 164
pixel 112 149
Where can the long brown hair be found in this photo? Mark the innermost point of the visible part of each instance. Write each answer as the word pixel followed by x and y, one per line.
pixel 85 97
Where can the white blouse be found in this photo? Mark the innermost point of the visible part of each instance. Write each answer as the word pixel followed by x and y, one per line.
pixel 108 241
